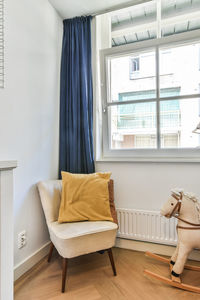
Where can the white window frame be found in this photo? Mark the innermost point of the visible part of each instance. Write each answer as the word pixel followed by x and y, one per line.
pixel 1 44
pixel 151 155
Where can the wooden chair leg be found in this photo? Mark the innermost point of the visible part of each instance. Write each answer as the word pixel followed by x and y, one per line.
pixel 50 252
pixel 64 273
pixel 112 261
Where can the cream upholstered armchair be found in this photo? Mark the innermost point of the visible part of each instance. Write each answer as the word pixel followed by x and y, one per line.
pixel 73 239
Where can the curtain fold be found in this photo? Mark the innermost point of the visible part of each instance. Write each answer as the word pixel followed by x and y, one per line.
pixel 76 98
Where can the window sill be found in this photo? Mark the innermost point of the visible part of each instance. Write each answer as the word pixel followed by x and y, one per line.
pixel 149 159
pixel 170 155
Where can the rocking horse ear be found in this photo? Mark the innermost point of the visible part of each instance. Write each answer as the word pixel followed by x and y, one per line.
pixel 175 196
pixel 177 192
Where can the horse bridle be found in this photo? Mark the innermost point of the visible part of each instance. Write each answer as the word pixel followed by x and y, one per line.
pixel 178 208
pixel 178 205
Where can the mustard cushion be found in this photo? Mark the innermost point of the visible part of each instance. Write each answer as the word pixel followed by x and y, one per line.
pixel 85 197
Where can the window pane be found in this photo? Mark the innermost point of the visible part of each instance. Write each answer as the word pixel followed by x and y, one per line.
pixel 133 77
pixel 178 118
pixel 137 23
pixel 179 69
pixel 133 125
pixel 179 16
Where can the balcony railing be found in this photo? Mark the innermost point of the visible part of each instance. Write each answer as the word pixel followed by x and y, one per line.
pixel 168 119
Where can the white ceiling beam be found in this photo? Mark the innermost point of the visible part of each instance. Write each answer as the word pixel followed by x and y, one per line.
pixel 126 9
pixel 182 17
pixel 132 28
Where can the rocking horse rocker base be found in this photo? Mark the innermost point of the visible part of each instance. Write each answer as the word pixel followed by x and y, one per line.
pixel 174 281
pixel 167 261
pixel 180 285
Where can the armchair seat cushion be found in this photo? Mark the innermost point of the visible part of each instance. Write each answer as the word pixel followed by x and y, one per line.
pixel 78 238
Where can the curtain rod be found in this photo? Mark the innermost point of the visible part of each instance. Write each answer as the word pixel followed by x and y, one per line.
pixel 120 6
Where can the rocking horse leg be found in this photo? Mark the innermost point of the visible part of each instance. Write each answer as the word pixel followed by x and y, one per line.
pixel 178 267
pixel 174 258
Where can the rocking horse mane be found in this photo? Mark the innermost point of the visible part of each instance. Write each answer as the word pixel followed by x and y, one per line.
pixel 189 196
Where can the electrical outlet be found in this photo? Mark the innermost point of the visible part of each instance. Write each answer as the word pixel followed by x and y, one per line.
pixel 22 239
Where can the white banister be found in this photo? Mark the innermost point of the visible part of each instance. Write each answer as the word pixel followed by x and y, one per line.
pixel 6 229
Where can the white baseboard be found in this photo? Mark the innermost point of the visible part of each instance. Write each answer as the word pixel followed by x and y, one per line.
pixel 155 248
pixel 30 261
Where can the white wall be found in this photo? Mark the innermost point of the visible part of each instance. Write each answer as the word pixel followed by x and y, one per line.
pixel 147 185
pixel 29 110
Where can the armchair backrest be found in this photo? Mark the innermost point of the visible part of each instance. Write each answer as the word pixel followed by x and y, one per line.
pixel 50 195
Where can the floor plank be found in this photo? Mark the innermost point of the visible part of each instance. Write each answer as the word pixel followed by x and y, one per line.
pixel 90 277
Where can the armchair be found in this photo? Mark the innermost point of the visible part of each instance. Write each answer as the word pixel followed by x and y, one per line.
pixel 73 239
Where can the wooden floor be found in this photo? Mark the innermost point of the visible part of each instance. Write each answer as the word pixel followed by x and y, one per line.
pixel 90 278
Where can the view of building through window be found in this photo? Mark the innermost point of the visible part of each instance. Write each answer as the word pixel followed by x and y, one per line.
pixel 134 77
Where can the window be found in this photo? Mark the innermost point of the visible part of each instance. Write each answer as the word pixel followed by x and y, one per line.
pixel 134 67
pixel 150 79
pixel 155 112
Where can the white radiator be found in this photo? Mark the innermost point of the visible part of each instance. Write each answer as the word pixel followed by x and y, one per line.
pixel 147 226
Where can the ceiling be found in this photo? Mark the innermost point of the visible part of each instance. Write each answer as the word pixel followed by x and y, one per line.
pixel 72 8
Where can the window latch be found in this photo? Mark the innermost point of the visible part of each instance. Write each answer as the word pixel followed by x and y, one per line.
pixel 104 109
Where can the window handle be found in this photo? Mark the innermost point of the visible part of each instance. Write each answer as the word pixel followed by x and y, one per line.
pixel 104 109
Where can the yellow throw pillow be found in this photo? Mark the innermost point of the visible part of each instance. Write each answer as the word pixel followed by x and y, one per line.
pixel 85 197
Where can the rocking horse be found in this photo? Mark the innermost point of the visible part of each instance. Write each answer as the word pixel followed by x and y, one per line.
pixel 186 209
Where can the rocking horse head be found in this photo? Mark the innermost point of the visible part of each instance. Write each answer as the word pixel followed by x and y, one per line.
pixel 173 204
pixel 181 203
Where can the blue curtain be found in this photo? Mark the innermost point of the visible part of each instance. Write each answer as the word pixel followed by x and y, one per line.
pixel 76 98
